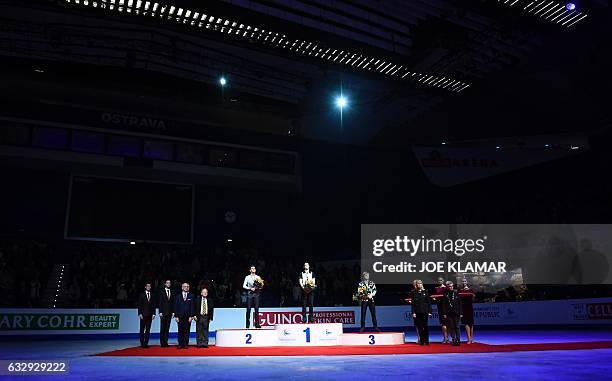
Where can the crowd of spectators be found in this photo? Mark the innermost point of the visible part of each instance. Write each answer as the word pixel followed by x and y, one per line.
pixel 111 275
pixel 24 270
pixel 105 275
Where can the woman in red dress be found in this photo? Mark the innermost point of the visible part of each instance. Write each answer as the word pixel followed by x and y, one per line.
pixel 467 299
pixel 437 297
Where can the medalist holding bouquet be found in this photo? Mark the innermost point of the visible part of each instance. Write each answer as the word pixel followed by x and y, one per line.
pixel 366 290
pixel 307 283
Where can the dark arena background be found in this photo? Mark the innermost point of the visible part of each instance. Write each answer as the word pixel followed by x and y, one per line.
pixel 168 167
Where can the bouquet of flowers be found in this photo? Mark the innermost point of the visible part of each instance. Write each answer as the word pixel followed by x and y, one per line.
pixel 362 292
pixel 259 283
pixel 309 285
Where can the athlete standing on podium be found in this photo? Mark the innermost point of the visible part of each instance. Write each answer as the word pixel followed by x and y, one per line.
pixel 307 284
pixel 252 297
pixel 366 290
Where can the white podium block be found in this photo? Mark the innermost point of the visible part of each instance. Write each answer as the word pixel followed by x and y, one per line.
pixel 305 335
pixel 246 338
pixel 372 339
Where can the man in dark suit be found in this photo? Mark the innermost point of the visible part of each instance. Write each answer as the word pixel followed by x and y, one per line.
pixel 204 313
pixel 451 312
pixel 146 314
pixel 166 309
pixel 183 313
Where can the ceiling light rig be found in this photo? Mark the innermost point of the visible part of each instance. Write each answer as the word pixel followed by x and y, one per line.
pixel 561 13
pixel 263 36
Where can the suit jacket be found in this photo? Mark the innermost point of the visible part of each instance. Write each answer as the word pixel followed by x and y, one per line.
pixel 183 308
pixel 210 306
pixel 421 303
pixel 451 303
pixel 165 305
pixel 146 307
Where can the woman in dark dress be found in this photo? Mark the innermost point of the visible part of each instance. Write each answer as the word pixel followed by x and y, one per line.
pixel 437 298
pixel 467 299
pixel 409 301
pixel 452 312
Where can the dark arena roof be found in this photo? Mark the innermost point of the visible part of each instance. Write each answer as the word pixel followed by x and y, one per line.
pixel 413 70
pixel 326 114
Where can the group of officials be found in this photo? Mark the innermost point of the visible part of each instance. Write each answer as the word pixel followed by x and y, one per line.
pixel 454 307
pixel 184 307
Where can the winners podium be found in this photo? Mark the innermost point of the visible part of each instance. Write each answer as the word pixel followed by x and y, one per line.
pixel 303 335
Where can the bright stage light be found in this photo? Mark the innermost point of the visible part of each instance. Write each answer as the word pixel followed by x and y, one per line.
pixel 132 243
pixel 222 81
pixel 570 6
pixel 341 102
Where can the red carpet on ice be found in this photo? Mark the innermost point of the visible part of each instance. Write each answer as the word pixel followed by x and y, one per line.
pixel 354 350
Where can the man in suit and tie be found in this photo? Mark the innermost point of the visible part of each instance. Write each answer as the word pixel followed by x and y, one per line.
pixel 166 309
pixel 183 313
pixel 205 310
pixel 146 313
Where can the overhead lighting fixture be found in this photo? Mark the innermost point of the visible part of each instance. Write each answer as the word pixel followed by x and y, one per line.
pixel 551 11
pixel 347 58
pixel 222 81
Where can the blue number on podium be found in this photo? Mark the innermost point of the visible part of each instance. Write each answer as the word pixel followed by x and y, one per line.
pixel 248 338
pixel 307 331
pixel 372 341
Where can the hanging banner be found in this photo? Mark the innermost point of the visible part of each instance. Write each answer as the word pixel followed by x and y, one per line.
pixel 448 166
